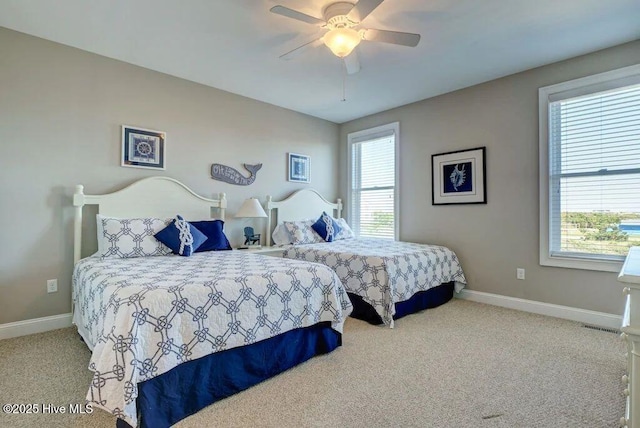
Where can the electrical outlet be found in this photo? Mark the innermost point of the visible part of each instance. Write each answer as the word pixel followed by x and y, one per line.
pixel 52 286
pixel 520 273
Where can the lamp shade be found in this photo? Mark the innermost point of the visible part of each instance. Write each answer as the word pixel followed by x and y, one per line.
pixel 342 41
pixel 251 208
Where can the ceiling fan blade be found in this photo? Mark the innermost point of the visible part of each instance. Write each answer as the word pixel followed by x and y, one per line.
pixel 297 51
pixel 393 37
pixel 290 13
pixel 362 9
pixel 352 63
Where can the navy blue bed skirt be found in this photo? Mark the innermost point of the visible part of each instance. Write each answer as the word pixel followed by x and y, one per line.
pixel 189 387
pixel 427 299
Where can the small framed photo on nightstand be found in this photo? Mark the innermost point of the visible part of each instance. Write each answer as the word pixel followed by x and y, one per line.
pixel 143 148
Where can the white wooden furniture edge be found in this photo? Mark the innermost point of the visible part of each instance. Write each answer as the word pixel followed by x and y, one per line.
pixel 160 197
pixel 630 274
pixel 300 205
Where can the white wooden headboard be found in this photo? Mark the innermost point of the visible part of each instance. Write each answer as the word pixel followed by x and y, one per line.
pixel 160 197
pixel 300 205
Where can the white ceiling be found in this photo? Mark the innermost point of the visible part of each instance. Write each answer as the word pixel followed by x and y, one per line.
pixel 234 45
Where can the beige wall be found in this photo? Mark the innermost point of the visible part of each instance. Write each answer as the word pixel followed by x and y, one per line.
pixel 60 115
pixel 492 240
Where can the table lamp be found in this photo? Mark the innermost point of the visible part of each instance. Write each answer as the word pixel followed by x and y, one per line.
pixel 251 208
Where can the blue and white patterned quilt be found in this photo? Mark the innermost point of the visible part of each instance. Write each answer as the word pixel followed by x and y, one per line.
pixel 384 272
pixel 143 316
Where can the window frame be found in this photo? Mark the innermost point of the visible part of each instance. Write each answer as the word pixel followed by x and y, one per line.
pixel 586 85
pixel 371 134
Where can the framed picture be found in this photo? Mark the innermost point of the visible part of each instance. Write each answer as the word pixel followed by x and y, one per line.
pixel 459 177
pixel 299 168
pixel 143 148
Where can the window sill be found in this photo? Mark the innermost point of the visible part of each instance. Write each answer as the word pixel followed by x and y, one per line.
pixel 581 263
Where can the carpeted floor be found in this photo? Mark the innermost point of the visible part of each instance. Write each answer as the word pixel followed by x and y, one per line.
pixel 463 364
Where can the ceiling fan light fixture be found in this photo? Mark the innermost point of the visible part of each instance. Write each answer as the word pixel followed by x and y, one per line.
pixel 342 41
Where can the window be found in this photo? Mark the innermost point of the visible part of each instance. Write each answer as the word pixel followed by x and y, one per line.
pixel 373 188
pixel 590 170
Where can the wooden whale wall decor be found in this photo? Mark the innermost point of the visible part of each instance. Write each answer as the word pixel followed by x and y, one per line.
pixel 232 175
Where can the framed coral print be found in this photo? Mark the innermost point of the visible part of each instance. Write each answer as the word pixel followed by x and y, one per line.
pixel 143 148
pixel 299 168
pixel 459 177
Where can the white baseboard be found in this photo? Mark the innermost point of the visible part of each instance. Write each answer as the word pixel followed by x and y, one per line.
pixel 600 319
pixel 36 325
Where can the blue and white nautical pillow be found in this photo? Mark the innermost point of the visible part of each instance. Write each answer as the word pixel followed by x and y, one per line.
pixel 130 237
pixel 326 227
pixel 181 236
pixel 301 232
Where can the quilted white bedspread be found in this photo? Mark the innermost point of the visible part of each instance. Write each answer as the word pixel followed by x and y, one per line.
pixel 384 272
pixel 143 316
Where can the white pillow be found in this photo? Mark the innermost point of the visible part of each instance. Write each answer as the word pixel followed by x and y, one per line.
pixel 130 237
pixel 346 232
pixel 281 236
pixel 301 232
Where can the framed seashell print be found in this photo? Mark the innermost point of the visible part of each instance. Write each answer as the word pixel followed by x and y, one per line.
pixel 459 177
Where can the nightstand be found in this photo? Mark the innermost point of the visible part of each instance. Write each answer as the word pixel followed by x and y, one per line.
pixel 265 251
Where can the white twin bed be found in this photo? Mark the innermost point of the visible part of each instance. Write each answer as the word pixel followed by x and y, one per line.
pixel 172 334
pixel 385 279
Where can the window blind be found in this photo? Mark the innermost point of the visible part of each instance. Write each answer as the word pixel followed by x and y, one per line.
pixel 372 204
pixel 594 171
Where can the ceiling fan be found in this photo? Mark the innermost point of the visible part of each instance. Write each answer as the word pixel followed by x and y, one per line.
pixel 343 19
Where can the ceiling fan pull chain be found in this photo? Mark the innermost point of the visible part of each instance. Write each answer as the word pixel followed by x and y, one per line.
pixel 344 82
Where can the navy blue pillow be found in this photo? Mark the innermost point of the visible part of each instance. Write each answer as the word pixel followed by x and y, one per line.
pixel 326 227
pixel 170 236
pixel 216 239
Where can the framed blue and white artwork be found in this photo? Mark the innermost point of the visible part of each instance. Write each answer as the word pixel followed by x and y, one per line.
pixel 143 148
pixel 459 177
pixel 299 168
